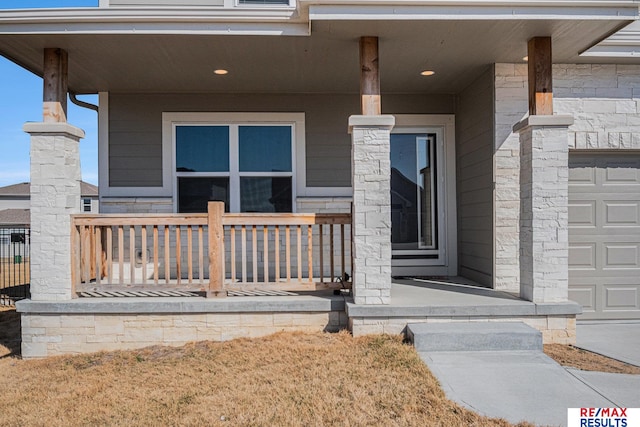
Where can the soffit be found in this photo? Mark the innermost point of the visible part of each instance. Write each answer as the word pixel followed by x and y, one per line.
pixel 325 61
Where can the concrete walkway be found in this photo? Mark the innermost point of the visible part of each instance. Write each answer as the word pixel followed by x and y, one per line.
pixel 529 386
pixel 616 339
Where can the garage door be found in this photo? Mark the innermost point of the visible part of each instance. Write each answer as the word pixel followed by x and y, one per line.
pixel 604 234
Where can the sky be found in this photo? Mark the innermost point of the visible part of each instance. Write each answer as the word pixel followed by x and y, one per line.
pixel 21 102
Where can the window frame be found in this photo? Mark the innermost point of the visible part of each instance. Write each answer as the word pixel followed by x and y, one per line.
pixel 86 203
pixel 234 120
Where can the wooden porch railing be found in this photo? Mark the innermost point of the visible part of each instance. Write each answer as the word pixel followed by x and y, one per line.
pixel 212 253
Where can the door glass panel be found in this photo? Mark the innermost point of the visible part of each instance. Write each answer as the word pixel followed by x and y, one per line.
pixel 202 148
pixel 265 194
pixel 413 201
pixel 195 193
pixel 265 148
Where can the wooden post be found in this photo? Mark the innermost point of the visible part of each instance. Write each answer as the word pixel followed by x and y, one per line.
pixel 215 211
pixel 540 76
pixel 55 74
pixel 369 76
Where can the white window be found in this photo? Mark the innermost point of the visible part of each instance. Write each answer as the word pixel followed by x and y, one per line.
pixel 248 165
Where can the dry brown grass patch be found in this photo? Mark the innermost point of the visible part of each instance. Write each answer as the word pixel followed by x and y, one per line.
pixel 288 379
pixel 574 357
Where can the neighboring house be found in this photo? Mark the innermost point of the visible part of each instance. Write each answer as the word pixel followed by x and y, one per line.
pixel 17 197
pixel 14 235
pixel 15 217
pixel 522 177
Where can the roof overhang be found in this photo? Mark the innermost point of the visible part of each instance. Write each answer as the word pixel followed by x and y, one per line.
pixel 623 45
pixel 471 10
pixel 176 49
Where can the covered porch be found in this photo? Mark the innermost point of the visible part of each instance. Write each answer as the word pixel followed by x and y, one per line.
pixel 476 222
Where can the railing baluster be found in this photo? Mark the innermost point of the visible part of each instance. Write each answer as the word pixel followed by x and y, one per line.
pixel 98 249
pixel 109 255
pixel 167 255
pixel 310 252
pixel 254 245
pixel 190 254
pixel 86 235
pixel 299 248
pixel 121 254
pixel 201 254
pixel 265 260
pixel 178 255
pixel 132 254
pixel 321 246
pixel 244 253
pixel 232 234
pixel 287 248
pixel 331 254
pixel 155 255
pixel 342 250
pixel 277 253
pixel 143 249
pixel 223 265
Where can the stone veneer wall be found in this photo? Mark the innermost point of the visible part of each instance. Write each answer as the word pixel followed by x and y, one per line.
pixel 556 329
pixel 56 334
pixel 603 99
pixel 165 205
pixel 112 205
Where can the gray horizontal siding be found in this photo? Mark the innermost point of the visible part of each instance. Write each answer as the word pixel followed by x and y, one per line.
pixel 474 164
pixel 135 121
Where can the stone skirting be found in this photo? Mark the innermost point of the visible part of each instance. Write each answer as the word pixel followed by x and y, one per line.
pixel 46 335
pixel 88 325
pixel 556 321
pixel 556 329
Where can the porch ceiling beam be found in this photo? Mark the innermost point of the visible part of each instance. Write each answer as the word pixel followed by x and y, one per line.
pixel 540 76
pixel 55 86
pixel 369 76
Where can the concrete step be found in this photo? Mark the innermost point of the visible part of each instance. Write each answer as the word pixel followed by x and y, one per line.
pixel 474 336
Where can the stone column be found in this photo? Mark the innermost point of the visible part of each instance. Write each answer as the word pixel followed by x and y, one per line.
pixel 371 229
pixel 55 194
pixel 544 214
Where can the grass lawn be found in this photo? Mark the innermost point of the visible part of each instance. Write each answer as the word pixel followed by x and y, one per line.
pixel 286 379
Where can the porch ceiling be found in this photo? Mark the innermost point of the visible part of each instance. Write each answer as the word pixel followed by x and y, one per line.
pixel 326 61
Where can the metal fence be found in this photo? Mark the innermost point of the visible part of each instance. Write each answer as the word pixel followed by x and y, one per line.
pixel 14 264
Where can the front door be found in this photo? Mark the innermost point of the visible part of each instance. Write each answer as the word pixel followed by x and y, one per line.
pixel 417 199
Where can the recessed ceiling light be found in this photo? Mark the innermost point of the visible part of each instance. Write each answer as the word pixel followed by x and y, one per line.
pixel 427 73
pixel 220 72
pixel 525 59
